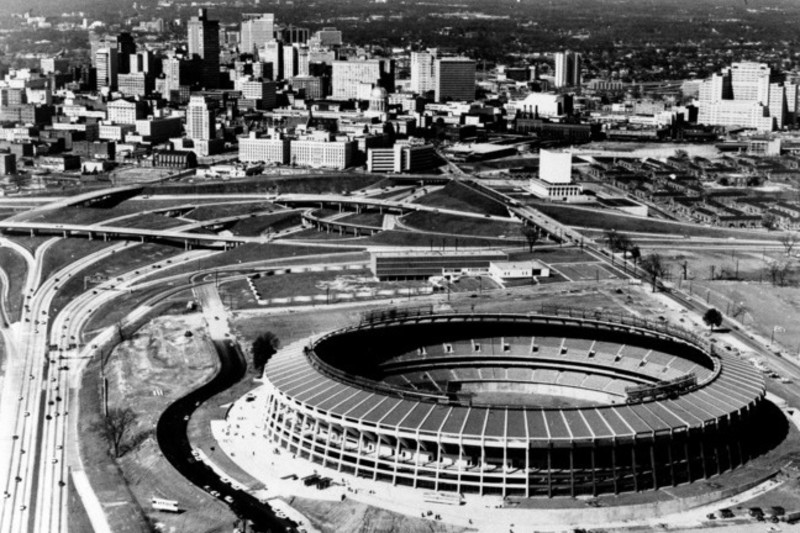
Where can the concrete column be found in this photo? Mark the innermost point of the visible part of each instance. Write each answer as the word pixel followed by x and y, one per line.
pixel 358 455
pixel 633 466
pixel 671 462
pixel 528 470
pixel 572 472
pixel 614 466
pixel 416 463
pixel 594 475
pixel 341 449
pixel 549 474
pixel 653 464
pixel 327 445
pixel 688 458
pixel 396 460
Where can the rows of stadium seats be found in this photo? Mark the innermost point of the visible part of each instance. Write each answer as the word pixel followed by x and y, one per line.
pixel 437 380
pixel 636 359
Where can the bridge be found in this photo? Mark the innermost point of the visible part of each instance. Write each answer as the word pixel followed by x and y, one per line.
pixel 87 199
pixel 92 231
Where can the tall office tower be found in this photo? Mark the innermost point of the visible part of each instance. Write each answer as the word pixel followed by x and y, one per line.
pixel 107 68
pixel 289 61
pixel 125 47
pixel 302 61
pixel 422 69
pixel 272 52
pixel 256 32
pixel 568 69
pixel 328 37
pixel 204 43
pixel 355 79
pixel 454 79
pixel 200 124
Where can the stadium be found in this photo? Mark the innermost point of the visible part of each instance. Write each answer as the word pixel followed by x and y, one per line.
pixel 563 402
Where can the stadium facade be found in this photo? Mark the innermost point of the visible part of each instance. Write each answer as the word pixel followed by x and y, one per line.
pixel 558 403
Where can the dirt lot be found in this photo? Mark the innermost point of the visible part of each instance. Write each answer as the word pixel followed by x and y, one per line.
pixel 147 372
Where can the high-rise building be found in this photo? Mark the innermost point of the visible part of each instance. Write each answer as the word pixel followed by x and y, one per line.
pixel 272 53
pixel 747 95
pixel 454 79
pixel 256 32
pixel 568 69
pixel 200 124
pixel 107 68
pixel 125 48
pixel 303 61
pixel 289 61
pixel 204 44
pixel 143 62
pixel 422 71
pixel 352 79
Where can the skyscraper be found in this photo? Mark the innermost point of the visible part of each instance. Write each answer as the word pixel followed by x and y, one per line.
pixel 107 68
pixel 204 43
pixel 454 79
pixel 289 61
pixel 354 79
pixel 422 70
pixel 568 69
pixel 200 123
pixel 272 53
pixel 256 32
pixel 125 47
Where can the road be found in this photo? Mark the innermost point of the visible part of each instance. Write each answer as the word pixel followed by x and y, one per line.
pixel 171 427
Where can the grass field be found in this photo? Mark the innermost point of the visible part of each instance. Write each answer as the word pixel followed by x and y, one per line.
pixel 133 257
pixel 210 212
pixel 553 255
pixel 436 242
pixel 29 243
pixel 444 223
pixel 66 251
pixel 17 270
pixel 365 219
pixel 459 197
pixel 583 271
pixel 312 283
pixel 575 216
pixel 248 253
pixel 76 215
pixel 311 184
pixel 260 224
pixel 150 221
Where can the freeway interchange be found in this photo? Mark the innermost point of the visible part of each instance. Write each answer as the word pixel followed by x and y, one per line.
pixel 46 355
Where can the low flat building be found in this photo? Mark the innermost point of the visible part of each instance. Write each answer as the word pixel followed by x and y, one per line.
pixel 404 265
pixel 513 270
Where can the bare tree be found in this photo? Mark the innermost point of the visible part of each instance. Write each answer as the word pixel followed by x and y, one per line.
pixel 789 240
pixel 654 265
pixel 117 427
pixel 777 272
pixel 531 234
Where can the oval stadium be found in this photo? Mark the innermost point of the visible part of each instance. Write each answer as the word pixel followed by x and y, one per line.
pixel 557 403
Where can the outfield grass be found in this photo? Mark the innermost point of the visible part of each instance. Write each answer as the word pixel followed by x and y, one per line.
pixel 459 197
pixel 444 223
pixel 590 218
pixel 310 184
pixel 17 270
pixel 210 212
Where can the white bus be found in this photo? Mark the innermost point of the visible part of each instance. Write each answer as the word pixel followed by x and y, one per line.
pixel 160 504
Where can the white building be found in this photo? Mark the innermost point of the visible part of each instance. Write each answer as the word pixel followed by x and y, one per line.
pixel 258 90
pixel 123 111
pixel 322 154
pixel 200 122
pixel 350 77
pixel 266 150
pixel 256 32
pixel 543 105
pixel 422 71
pixel 747 95
pixel 512 270
pixel 555 177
